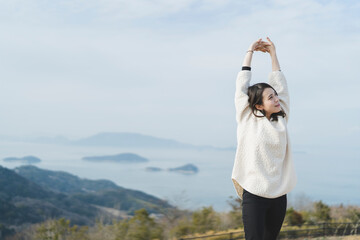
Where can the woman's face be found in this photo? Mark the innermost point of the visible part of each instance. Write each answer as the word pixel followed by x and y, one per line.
pixel 271 102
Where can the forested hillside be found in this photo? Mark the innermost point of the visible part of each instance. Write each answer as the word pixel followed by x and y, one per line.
pixel 32 195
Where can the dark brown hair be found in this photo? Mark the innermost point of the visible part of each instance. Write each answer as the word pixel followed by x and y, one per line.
pixel 255 93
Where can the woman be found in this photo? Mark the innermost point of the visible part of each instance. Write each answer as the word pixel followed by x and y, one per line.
pixel 263 170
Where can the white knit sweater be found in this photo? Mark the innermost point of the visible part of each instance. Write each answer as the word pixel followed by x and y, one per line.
pixel 263 162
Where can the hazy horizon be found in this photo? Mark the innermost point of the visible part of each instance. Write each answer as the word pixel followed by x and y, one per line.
pixel 320 176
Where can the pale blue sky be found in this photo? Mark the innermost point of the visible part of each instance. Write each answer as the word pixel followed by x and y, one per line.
pixel 168 68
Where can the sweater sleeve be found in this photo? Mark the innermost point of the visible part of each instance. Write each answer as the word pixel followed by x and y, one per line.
pixel 241 97
pixel 278 81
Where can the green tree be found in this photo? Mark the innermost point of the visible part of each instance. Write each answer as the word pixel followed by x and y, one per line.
pixel 205 220
pixel 141 227
pixel 120 228
pixel 322 212
pixel 293 217
pixel 353 215
pixel 175 222
pixel 184 227
pixel 235 212
pixel 60 230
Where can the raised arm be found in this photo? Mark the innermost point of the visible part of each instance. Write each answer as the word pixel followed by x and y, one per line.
pixel 255 46
pixel 270 48
pixel 243 80
pixel 277 79
pixel 272 51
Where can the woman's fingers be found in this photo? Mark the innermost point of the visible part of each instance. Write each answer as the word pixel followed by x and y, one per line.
pixel 258 42
pixel 255 44
pixel 265 43
pixel 261 48
pixel 271 43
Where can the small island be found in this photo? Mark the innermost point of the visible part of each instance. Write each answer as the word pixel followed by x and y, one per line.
pixel 26 159
pixel 153 169
pixel 118 158
pixel 186 169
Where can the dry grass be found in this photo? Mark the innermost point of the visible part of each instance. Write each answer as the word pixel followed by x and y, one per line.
pixel 344 238
pixel 357 237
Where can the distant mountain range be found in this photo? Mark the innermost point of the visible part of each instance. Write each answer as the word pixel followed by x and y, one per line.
pixel 30 195
pixel 113 139
pixel 118 158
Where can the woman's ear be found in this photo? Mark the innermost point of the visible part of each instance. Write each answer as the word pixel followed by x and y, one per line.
pixel 259 107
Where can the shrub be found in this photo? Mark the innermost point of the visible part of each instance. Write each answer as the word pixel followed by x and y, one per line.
pixel 293 218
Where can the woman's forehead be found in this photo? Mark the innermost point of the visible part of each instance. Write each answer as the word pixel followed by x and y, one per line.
pixel 268 91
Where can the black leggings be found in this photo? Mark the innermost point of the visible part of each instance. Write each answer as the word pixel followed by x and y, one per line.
pixel 262 217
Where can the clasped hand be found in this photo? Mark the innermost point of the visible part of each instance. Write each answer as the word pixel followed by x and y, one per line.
pixel 263 46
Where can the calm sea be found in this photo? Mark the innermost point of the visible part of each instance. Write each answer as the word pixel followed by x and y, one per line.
pixel 327 174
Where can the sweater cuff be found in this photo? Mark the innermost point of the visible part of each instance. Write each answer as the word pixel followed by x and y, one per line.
pixel 246 68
